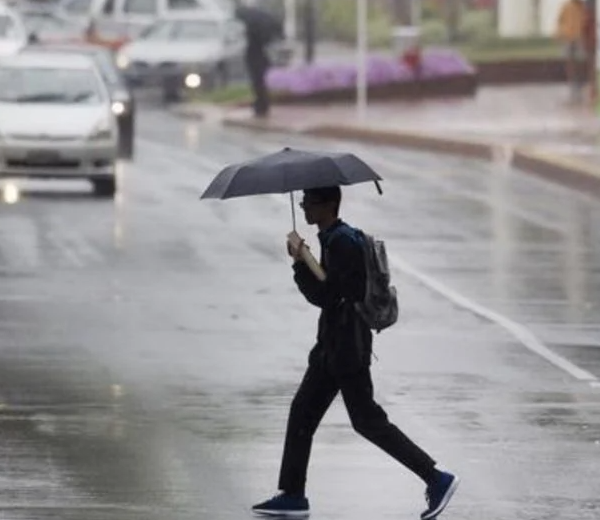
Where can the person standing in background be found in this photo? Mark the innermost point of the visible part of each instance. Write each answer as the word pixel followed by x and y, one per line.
pixel 571 28
pixel 262 29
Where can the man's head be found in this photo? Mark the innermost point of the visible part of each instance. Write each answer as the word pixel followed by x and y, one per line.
pixel 321 205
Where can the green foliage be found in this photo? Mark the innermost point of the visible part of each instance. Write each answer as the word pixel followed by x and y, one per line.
pixel 337 19
pixel 505 49
pixel 475 25
pixel 235 93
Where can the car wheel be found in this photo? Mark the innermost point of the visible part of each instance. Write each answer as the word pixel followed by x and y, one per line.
pixel 222 76
pixel 218 78
pixel 126 146
pixel 105 186
pixel 126 139
pixel 170 96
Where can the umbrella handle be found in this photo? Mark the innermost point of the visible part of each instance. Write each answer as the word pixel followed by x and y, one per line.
pixel 293 211
pixel 378 186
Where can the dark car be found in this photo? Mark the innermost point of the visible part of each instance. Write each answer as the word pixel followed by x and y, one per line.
pixel 123 102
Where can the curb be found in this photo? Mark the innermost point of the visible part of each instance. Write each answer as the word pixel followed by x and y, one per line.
pixel 566 171
pixel 562 170
pixel 415 140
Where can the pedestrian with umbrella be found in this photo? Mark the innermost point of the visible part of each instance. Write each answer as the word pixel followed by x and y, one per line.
pixel 262 29
pixel 347 283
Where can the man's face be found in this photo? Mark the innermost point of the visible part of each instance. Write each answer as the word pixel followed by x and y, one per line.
pixel 314 210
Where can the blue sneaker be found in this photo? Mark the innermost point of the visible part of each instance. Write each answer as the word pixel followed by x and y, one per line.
pixel 439 493
pixel 283 505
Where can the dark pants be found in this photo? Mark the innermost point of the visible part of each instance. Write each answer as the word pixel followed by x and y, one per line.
pixel 257 72
pixel 314 396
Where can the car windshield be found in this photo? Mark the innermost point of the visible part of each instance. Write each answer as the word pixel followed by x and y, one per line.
pixel 47 85
pixel 157 31
pixel 183 30
pixel 46 22
pixel 197 30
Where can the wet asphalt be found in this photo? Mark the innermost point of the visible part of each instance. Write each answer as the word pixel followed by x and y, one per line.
pixel 150 345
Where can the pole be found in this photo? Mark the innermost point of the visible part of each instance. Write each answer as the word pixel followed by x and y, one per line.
pixel 290 20
pixel 595 79
pixel 361 58
pixel 310 31
pixel 293 210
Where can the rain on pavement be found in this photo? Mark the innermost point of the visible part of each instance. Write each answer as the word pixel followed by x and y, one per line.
pixel 151 345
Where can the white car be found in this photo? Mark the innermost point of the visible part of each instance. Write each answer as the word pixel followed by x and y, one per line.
pixel 186 52
pixel 129 17
pixel 13 34
pixel 56 120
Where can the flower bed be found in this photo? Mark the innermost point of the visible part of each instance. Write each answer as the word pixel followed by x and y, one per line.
pixel 441 72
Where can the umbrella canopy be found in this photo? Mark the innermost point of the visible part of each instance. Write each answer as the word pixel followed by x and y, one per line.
pixel 289 170
pixel 262 27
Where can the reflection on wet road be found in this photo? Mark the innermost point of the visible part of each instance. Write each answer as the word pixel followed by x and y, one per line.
pixel 151 345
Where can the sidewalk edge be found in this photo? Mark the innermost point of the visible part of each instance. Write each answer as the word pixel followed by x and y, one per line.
pixel 414 140
pixel 566 171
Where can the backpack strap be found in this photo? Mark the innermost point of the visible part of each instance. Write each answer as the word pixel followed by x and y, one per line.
pixel 345 229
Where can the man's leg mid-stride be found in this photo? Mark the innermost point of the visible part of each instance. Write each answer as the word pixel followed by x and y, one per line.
pixel 371 421
pixel 313 398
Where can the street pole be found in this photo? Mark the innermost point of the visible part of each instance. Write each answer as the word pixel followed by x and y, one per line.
pixel 290 20
pixel 310 31
pixel 596 58
pixel 361 58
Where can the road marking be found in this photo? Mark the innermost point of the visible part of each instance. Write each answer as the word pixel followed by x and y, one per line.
pixel 520 332
pixel 525 336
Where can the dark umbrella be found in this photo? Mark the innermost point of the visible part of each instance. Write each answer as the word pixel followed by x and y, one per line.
pixel 262 27
pixel 290 170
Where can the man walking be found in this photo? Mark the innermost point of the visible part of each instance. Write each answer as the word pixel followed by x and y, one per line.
pixel 340 362
pixel 262 29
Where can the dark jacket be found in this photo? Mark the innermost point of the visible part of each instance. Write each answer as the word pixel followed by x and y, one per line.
pixel 344 340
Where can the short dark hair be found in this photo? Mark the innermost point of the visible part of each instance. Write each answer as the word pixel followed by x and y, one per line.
pixel 326 194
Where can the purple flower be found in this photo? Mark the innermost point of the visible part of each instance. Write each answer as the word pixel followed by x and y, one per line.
pixel 380 70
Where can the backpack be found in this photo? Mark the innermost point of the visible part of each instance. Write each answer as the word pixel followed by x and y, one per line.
pixel 379 309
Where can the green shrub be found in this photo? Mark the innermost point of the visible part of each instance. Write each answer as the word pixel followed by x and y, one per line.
pixel 337 19
pixel 477 25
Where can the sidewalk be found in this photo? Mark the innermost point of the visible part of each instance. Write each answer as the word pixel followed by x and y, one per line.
pixel 532 127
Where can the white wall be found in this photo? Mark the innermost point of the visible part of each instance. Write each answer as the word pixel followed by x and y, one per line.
pixel 519 18
pixel 516 18
pixel 550 10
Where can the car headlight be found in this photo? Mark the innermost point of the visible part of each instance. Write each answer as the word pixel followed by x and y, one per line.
pixel 118 108
pixel 102 132
pixel 122 61
pixel 193 80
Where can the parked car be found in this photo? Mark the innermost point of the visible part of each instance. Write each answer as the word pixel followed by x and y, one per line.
pixel 120 20
pixel 56 120
pixel 13 35
pixel 185 53
pixel 122 98
pixel 47 27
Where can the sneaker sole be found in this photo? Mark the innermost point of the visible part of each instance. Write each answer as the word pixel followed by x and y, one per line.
pixel 444 502
pixel 280 514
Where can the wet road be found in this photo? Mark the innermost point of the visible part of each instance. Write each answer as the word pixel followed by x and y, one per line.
pixel 150 346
